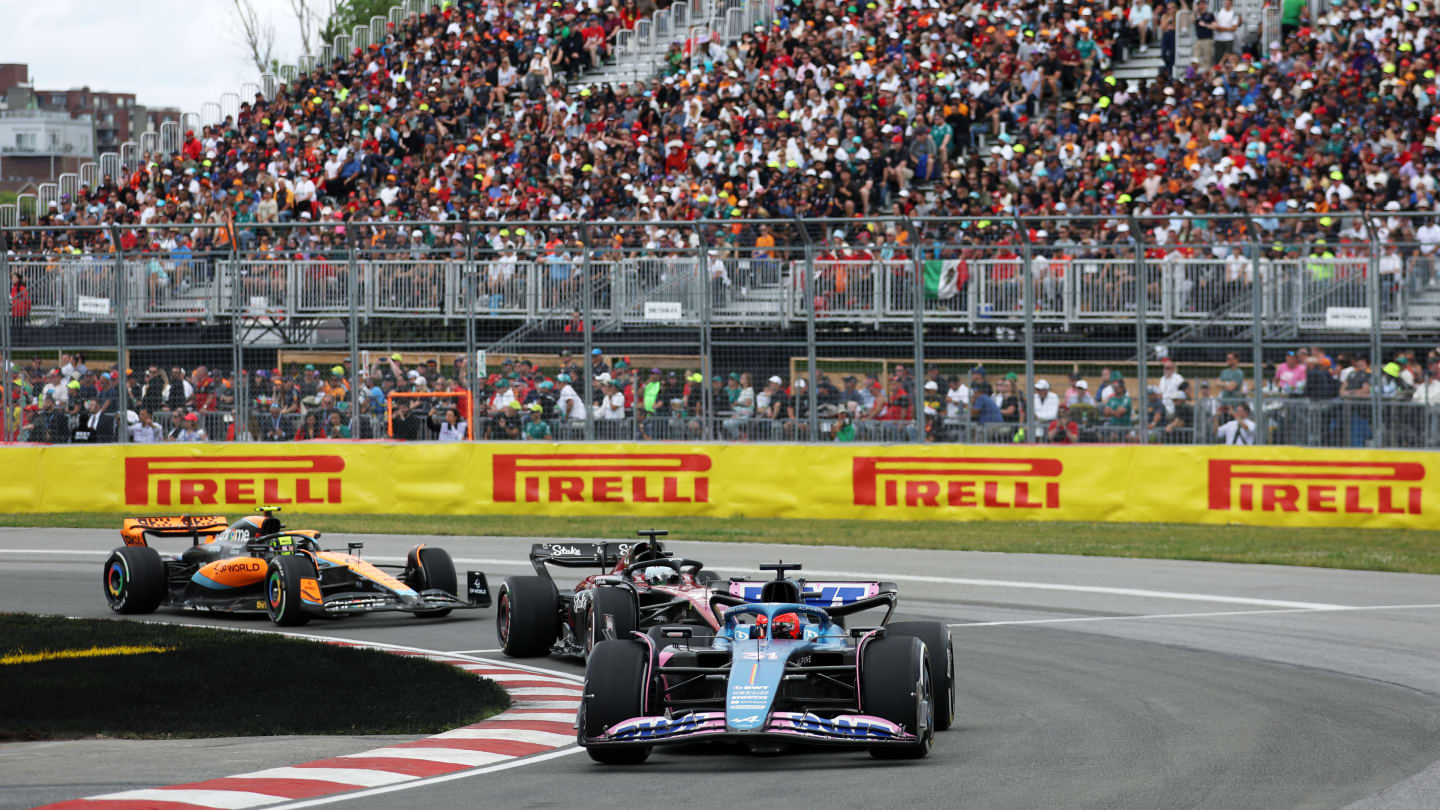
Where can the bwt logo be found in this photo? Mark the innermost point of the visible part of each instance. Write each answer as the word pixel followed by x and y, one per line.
pixel 601 478
pixel 183 481
pixel 993 483
pixel 1350 487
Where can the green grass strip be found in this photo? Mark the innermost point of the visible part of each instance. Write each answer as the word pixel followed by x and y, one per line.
pixel 1405 550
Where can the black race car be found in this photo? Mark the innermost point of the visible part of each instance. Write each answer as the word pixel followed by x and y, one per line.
pixel 255 565
pixel 639 585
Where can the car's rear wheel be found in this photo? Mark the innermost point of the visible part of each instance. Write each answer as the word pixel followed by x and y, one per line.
pixel 527 617
pixel 134 579
pixel 612 610
pixel 895 685
pixel 282 589
pixel 432 569
pixel 942 664
pixel 616 676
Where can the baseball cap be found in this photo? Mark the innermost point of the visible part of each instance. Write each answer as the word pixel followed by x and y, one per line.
pixel 595 352
pixel 337 370
pixel 1082 385
pixel 932 386
pixel 775 379
pixel 1043 385
pixel 396 357
pixel 190 417
pixel 535 406
pixel 515 403
pixel 1012 376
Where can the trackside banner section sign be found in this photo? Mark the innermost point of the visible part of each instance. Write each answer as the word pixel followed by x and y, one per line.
pixel 1261 486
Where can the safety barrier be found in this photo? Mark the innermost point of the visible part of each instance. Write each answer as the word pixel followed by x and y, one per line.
pixel 1216 485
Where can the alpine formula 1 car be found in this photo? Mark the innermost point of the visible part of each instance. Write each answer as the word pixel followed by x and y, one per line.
pixel 255 565
pixel 639 586
pixel 777 671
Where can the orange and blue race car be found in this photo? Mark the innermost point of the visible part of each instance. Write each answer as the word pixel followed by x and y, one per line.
pixel 256 565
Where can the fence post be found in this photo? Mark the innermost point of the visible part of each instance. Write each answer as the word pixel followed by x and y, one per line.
pixel 1257 320
pixel 1027 399
pixel 353 293
pixel 237 354
pixel 586 314
pixel 1377 361
pixel 807 286
pixel 122 361
pixel 707 369
pixel 5 428
pixel 472 368
pixel 917 301
pixel 1142 296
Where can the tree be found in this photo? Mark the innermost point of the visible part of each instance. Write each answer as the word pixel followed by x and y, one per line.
pixel 256 34
pixel 346 14
pixel 307 19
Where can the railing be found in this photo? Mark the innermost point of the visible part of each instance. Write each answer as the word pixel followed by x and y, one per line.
pixel 1066 290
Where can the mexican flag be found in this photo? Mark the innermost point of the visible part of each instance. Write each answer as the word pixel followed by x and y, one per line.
pixel 942 279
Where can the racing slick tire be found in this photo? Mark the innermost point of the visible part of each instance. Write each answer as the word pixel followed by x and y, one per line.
pixel 433 569
pixel 617 603
pixel 527 618
pixel 942 670
pixel 134 579
pixel 282 589
pixel 895 685
pixel 615 676
pixel 707 578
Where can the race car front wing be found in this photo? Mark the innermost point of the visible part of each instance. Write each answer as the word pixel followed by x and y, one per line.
pixel 807 727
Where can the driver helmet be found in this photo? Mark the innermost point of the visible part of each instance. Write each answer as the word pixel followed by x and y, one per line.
pixel 661 575
pixel 785 625
pixel 761 627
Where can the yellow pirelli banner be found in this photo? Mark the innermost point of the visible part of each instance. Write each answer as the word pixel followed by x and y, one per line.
pixel 1271 486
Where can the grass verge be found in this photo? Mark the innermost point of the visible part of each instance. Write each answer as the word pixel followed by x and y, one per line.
pixel 1368 549
pixel 212 683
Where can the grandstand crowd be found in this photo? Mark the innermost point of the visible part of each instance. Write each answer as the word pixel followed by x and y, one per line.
pixel 525 400
pixel 855 108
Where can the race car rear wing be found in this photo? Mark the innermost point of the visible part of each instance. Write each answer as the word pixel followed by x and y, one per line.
pixel 135 530
pixel 577 555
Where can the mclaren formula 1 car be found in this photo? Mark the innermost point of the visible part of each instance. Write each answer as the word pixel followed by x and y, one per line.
pixel 777 671
pixel 256 565
pixel 638 586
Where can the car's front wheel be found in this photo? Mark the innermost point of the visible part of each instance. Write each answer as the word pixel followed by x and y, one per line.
pixel 612 614
pixel 615 690
pixel 432 569
pixel 895 685
pixel 283 582
pixel 134 579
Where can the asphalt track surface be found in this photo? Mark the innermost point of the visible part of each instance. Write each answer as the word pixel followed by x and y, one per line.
pixel 1082 683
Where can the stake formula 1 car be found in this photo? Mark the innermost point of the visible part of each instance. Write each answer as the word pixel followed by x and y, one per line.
pixel 639 586
pixel 777 671
pixel 255 565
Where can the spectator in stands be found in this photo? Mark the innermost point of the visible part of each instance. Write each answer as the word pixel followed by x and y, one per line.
pixel 1079 394
pixel 984 410
pixel 449 429
pixel 742 405
pixel 336 427
pixel 93 427
pixel 570 405
pixel 20 303
pixel 272 425
pixel 1227 24
pixel 311 427
pixel 1046 402
pixel 190 430
pixel 145 431
pixel 1240 429
pixel 1357 387
pixel 1290 375
pixel 1062 429
pixel 1232 380
pixel 1181 417
pixel 844 427
pixel 1171 382
pixel 50 425
pixel 1118 408
pixel 536 428
pixel 1011 408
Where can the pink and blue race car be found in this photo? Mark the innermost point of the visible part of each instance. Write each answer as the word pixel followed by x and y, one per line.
pixel 779 670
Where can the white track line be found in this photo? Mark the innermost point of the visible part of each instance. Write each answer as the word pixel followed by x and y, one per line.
pixel 1055 586
pixel 860 575
pixel 225 799
pixel 1076 619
